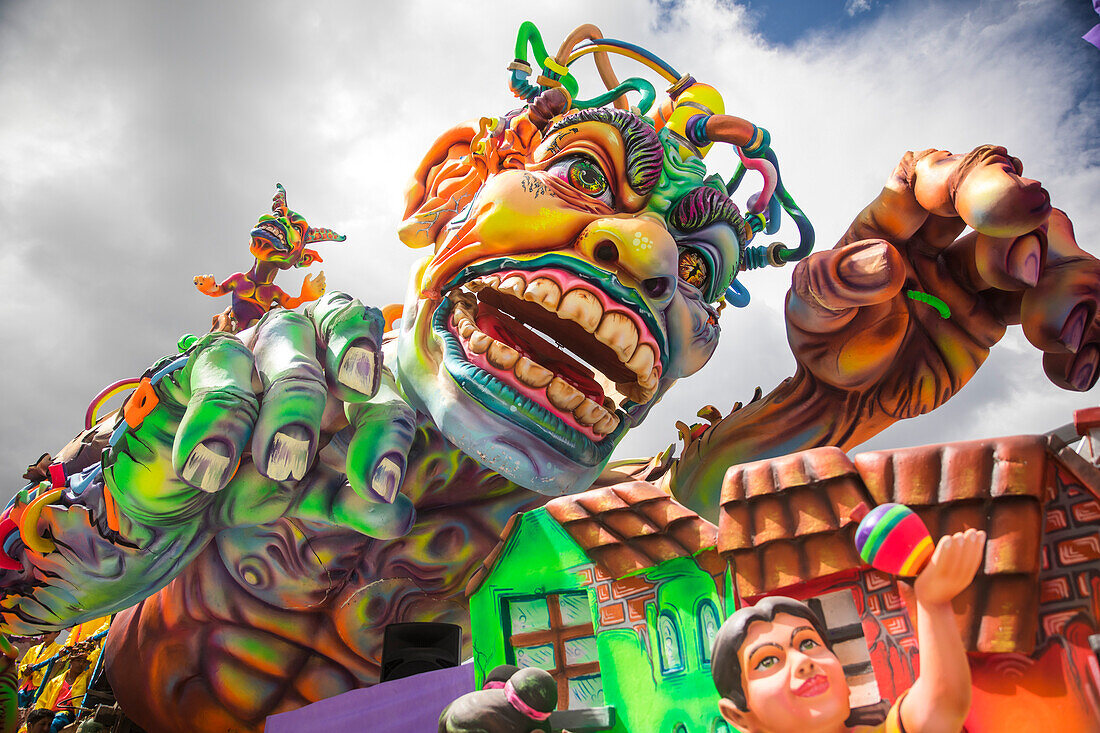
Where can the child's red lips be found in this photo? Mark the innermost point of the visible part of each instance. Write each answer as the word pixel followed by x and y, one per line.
pixel 813 687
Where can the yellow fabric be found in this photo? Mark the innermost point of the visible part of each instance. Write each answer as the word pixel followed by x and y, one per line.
pixel 34 655
pixel 49 697
pixel 80 632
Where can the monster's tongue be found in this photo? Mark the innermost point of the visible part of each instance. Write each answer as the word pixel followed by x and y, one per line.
pixel 528 343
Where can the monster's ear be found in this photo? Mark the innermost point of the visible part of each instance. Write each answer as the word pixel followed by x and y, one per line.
pixel 309 256
pixel 445 181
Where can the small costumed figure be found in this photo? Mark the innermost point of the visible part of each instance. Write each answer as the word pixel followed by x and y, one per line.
pixel 278 243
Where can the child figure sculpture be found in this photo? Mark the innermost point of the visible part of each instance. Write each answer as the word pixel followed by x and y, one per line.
pixel 776 672
pixel 278 243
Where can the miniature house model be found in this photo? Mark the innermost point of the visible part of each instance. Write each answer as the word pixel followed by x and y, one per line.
pixel 618 593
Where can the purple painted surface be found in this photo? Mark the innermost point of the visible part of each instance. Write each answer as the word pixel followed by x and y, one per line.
pixel 409 705
pixel 1093 36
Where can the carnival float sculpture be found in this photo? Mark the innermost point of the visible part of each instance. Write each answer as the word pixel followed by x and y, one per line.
pixel 267 502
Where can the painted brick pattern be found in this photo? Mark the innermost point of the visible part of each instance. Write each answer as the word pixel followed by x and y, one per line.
pixel 1070 555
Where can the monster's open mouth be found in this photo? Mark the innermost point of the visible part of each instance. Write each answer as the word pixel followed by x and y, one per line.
pixel 273 234
pixel 556 346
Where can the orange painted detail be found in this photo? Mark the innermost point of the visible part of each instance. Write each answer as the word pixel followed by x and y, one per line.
pixel 1047 692
pixel 391 314
pixel 140 404
pixel 111 510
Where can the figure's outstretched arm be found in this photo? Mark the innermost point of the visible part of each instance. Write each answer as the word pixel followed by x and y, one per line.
pixel 898 317
pixel 207 285
pixel 313 287
pixel 939 701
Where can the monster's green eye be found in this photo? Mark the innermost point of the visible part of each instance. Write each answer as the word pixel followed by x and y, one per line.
pixel 694 269
pixel 586 176
pixel 807 645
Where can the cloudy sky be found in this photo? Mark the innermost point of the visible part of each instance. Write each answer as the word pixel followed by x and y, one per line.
pixel 139 142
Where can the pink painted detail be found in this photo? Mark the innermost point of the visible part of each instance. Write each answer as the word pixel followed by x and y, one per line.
pixel 568 281
pixel 515 701
pixel 7 527
pixel 538 395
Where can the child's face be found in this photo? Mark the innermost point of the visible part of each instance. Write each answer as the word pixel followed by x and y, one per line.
pixel 792 681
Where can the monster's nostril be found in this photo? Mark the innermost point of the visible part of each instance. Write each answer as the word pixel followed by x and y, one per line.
pixel 655 287
pixel 606 252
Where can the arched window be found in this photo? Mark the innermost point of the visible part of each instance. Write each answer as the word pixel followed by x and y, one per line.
pixel 668 637
pixel 720 726
pixel 708 629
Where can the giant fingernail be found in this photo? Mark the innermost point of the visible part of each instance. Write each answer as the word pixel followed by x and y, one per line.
pixel 1074 330
pixel 357 369
pixel 386 480
pixel 1024 261
pixel 1084 368
pixel 207 465
pixel 866 267
pixel 289 454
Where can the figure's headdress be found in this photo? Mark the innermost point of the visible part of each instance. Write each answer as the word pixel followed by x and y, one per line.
pixel 689 122
pixel 309 234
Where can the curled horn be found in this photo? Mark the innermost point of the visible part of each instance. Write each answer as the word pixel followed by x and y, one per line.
pixel 278 204
pixel 320 234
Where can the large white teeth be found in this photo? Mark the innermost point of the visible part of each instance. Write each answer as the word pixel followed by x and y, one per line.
pixel 532 374
pixel 502 356
pixel 514 285
pixel 563 395
pixel 480 342
pixel 615 329
pixel 619 332
pixel 636 392
pixel 606 425
pixel 643 360
pixel 581 307
pixel 589 413
pixel 543 291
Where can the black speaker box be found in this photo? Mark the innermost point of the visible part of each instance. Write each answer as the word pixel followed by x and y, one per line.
pixel 412 648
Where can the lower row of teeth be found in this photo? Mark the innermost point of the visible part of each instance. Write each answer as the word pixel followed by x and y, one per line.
pixel 602 419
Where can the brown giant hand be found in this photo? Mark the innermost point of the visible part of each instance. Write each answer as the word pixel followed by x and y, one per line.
pixel 869 318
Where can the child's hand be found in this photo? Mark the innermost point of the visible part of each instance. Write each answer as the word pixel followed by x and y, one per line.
pixel 952 567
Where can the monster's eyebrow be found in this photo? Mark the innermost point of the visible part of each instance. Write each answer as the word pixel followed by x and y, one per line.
pixel 642 149
pixel 703 206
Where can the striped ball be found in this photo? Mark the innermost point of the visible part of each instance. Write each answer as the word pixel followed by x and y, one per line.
pixel 894 540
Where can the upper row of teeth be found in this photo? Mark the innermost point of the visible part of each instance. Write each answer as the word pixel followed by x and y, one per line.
pixel 615 329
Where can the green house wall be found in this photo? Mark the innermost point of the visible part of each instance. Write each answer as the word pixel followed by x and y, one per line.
pixel 540 559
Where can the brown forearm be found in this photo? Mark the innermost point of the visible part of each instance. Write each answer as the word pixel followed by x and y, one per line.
pixel 797 415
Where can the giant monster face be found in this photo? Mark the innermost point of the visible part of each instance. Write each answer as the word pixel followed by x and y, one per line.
pixel 559 305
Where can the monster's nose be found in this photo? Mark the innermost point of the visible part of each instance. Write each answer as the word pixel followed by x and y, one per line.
pixel 639 249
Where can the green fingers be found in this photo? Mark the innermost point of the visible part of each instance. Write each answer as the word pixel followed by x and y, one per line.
pixel 286 436
pixel 352 335
pixel 382 431
pixel 221 410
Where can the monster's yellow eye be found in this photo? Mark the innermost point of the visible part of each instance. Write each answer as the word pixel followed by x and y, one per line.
pixel 694 269
pixel 586 176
